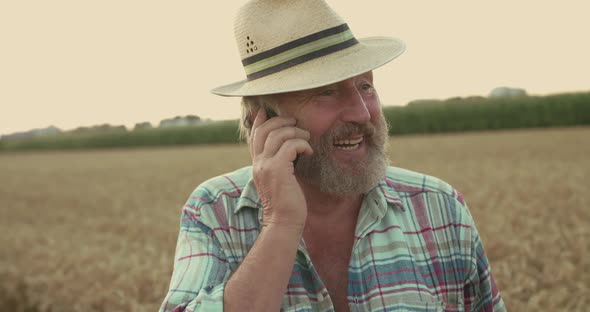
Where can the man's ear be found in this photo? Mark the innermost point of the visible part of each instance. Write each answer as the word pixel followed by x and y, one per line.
pixel 250 116
pixel 269 104
pixel 248 120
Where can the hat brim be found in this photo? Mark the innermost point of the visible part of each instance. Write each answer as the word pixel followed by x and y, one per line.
pixel 369 54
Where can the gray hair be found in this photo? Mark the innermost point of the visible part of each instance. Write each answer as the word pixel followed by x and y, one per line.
pixel 250 107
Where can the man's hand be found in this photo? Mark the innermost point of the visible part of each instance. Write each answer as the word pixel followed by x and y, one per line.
pixel 274 146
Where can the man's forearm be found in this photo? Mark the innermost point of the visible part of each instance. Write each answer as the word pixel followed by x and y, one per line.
pixel 260 281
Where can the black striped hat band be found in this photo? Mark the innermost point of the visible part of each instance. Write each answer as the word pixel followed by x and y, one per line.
pixel 299 51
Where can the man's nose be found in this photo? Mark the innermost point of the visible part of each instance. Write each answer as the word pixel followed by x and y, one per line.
pixel 355 108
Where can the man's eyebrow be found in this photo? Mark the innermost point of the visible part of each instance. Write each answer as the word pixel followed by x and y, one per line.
pixel 332 85
pixel 306 95
pixel 309 92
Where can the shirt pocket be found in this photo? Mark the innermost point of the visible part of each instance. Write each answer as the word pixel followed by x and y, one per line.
pixel 448 307
pixel 297 308
pixel 432 306
pixel 301 306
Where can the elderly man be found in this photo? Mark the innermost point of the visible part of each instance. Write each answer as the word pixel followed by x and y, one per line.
pixel 320 222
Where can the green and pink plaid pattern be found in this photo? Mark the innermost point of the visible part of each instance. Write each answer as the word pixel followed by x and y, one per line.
pixel 416 249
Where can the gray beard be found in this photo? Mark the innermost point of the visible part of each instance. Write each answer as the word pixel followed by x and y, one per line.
pixel 360 177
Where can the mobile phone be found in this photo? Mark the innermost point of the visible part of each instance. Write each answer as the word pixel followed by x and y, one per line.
pixel 270 113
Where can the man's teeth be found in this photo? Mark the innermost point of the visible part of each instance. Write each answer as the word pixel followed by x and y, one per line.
pixel 348 144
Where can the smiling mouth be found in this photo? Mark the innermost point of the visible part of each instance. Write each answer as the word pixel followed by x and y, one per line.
pixel 348 144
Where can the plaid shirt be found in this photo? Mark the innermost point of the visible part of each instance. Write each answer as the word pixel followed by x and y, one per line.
pixel 416 249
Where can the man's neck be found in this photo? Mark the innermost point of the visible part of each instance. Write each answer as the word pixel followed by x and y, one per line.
pixel 330 207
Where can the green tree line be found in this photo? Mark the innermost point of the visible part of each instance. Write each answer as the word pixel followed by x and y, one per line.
pixel 478 113
pixel 452 115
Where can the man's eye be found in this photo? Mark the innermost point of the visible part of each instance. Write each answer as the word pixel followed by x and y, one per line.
pixel 328 92
pixel 368 87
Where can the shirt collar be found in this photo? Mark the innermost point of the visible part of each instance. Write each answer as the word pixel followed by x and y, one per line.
pixel 249 197
pixel 391 196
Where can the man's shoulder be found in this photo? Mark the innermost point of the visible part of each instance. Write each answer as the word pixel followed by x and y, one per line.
pixel 210 204
pixel 428 198
pixel 230 184
pixel 412 182
pixel 235 179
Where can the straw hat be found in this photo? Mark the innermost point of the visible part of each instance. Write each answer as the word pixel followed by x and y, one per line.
pixel 291 45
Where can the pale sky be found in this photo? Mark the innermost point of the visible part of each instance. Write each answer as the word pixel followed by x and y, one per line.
pixel 82 63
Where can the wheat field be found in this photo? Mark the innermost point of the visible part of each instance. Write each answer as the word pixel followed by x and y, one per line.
pixel 96 230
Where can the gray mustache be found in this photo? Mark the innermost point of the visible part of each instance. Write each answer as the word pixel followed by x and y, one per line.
pixel 351 129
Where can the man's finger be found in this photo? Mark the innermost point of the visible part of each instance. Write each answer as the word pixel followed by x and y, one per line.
pixel 277 137
pixel 260 133
pixel 290 149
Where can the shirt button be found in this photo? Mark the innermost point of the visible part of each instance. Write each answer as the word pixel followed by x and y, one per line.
pixel 320 297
